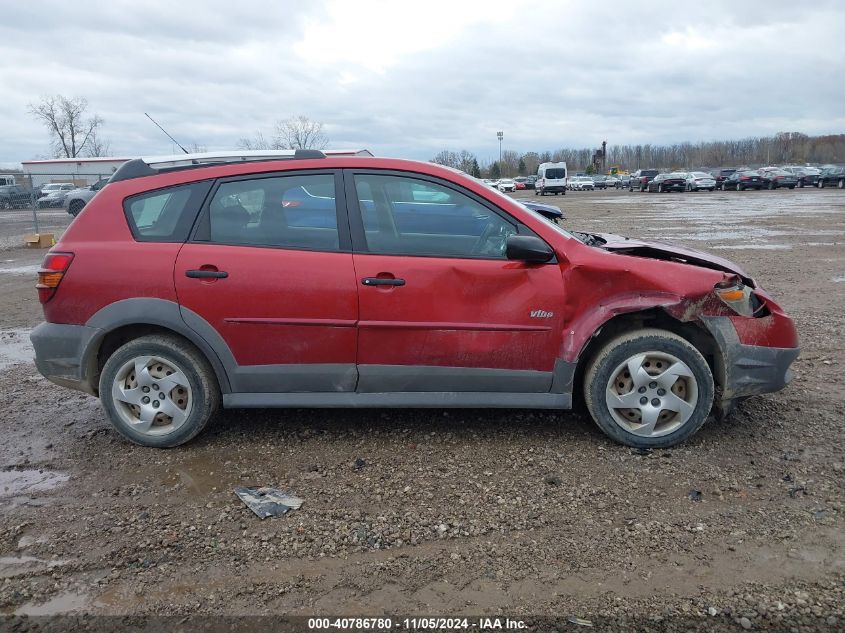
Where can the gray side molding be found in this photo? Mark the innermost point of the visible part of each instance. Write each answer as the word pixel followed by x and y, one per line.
pixel 414 399
pixel 167 314
pixel 431 378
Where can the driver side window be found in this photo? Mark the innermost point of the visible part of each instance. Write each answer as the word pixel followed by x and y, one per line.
pixel 406 216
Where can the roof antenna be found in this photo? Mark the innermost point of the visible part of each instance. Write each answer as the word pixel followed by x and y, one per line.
pixel 165 131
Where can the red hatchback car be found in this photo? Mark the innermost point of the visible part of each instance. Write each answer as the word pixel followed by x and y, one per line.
pixel 293 279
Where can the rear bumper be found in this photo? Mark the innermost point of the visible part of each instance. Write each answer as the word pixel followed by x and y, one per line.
pixel 749 370
pixel 61 354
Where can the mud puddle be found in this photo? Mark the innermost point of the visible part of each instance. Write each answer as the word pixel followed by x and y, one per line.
pixel 67 602
pixel 20 270
pixel 11 566
pixel 15 348
pixel 14 483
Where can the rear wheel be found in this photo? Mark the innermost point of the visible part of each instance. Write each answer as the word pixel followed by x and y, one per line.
pixel 739 187
pixel 5 204
pixel 75 207
pixel 821 183
pixel 159 391
pixel 649 389
pixel 841 184
pixel 771 185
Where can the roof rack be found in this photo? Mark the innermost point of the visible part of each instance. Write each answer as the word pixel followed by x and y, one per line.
pixel 152 165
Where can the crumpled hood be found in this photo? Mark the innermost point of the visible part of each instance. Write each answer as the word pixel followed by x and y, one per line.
pixel 669 252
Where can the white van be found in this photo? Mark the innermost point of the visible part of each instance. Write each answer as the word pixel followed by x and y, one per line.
pixel 551 178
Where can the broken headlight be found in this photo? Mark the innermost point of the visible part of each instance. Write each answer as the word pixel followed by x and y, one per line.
pixel 738 297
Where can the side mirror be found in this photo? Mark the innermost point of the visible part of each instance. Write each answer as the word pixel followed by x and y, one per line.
pixel 527 248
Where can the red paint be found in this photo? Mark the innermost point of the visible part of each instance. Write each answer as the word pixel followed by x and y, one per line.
pixel 295 306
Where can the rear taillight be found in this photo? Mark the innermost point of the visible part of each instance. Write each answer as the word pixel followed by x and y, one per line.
pixel 744 178
pixel 50 275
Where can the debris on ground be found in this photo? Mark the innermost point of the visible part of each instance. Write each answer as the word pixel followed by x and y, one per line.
pixel 579 621
pixel 268 502
pixel 695 495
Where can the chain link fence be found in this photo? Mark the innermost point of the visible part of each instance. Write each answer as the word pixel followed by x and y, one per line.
pixel 37 207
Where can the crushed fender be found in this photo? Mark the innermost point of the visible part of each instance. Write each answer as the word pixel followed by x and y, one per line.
pixel 267 502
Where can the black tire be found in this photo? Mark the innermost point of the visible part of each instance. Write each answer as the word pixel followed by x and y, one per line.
pixel 75 207
pixel 772 185
pixel 841 184
pixel 739 187
pixel 5 204
pixel 642 189
pixel 644 341
pixel 792 186
pixel 660 189
pixel 821 183
pixel 205 392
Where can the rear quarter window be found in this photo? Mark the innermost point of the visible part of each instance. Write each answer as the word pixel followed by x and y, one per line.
pixel 165 215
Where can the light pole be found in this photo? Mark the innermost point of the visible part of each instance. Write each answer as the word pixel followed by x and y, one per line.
pixel 500 136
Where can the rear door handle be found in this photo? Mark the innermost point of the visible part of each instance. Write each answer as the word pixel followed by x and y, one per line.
pixel 206 274
pixel 378 281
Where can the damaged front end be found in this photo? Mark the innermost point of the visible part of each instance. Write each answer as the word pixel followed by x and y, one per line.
pixel 749 339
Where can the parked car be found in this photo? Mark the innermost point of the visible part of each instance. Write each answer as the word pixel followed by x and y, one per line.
pixel 641 178
pixel 832 177
pixel 55 186
pixel 531 181
pixel 522 182
pixel 55 196
pixel 581 183
pixel 599 181
pixel 774 178
pixel 624 181
pixel 490 183
pixel 76 199
pixel 385 301
pixel 14 197
pixel 551 178
pixel 740 180
pixel 807 176
pixel 664 183
pixel 506 184
pixel 698 180
pixel 720 175
pixel 611 181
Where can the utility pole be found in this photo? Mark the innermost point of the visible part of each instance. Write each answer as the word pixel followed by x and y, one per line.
pixel 500 136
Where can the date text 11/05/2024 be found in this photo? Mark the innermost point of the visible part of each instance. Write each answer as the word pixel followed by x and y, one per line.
pixel 420 623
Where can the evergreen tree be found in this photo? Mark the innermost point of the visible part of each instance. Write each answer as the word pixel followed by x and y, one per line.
pixel 521 169
pixel 495 171
pixel 476 170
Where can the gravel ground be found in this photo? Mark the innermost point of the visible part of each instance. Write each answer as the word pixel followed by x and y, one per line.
pixel 457 512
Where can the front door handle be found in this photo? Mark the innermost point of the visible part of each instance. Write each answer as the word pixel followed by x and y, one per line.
pixel 379 281
pixel 206 274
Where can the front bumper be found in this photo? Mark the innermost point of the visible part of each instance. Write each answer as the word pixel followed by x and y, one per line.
pixel 62 354
pixel 748 370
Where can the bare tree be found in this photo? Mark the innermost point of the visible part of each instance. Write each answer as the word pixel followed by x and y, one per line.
pixel 69 127
pixel 97 147
pixel 256 142
pixel 300 132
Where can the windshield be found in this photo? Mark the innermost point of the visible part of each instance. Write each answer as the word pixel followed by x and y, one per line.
pixel 649 172
pixel 556 173
pixel 700 174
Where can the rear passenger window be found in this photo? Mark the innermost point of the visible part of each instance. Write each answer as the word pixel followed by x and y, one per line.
pixel 165 215
pixel 282 211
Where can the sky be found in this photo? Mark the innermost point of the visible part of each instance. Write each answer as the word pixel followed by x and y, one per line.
pixel 410 79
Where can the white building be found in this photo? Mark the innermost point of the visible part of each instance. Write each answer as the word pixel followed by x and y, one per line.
pixel 80 171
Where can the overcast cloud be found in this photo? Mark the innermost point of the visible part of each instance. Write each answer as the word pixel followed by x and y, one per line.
pixel 409 79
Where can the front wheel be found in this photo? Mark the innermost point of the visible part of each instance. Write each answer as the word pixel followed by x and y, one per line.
pixel 159 391
pixel 821 183
pixel 841 184
pixel 649 389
